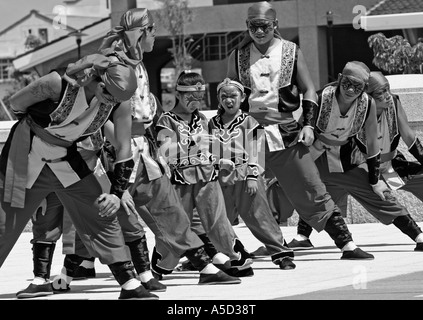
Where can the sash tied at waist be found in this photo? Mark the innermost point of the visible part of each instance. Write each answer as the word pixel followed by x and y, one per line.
pixel 330 142
pixel 17 161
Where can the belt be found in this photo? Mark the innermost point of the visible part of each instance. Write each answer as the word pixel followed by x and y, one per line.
pixel 17 159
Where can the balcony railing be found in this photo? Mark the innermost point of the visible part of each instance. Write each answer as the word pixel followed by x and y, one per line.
pixel 215 46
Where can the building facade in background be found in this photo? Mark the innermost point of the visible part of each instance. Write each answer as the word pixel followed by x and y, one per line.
pixel 328 32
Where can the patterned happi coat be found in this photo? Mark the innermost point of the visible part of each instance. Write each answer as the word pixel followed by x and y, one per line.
pixel 191 161
pixel 271 89
pixel 72 120
pixel 241 142
pixel 334 131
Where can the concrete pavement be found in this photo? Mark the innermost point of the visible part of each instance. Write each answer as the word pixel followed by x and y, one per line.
pixel 395 273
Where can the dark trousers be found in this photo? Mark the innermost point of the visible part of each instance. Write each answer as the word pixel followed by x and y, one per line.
pixel 102 236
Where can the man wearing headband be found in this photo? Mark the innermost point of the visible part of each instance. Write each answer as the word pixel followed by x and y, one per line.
pixel 40 157
pixel 274 73
pixel 395 170
pixel 151 194
pixel 125 43
pixel 347 137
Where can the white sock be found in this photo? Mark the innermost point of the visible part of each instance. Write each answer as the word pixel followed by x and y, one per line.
pixel 131 284
pixel 419 238
pixel 146 276
pixel 210 269
pixel 87 264
pixel 300 237
pixel 350 246
pixel 220 258
pixel 38 281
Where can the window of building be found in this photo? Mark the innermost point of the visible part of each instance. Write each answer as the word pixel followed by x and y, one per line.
pixel 4 69
pixel 43 35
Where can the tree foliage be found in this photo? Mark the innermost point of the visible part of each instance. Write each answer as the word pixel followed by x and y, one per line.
pixel 174 16
pixel 395 55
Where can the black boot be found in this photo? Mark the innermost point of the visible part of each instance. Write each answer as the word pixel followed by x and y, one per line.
pixel 85 273
pixel 42 256
pixel 242 266
pixel 157 271
pixel 139 254
pixel 212 251
pixel 123 272
pixel 141 261
pixel 408 226
pixel 208 245
pixel 303 228
pixel 70 264
pixel 338 231
pixel 199 259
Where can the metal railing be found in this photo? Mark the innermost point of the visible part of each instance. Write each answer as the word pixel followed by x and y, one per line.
pixel 216 46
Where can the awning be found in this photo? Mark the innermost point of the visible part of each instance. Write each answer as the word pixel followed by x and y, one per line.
pixel 392 21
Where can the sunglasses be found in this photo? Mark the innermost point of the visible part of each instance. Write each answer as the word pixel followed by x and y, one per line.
pixel 347 83
pixel 152 28
pixel 254 27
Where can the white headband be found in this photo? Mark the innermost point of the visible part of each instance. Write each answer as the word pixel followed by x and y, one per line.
pixel 195 87
pixel 229 82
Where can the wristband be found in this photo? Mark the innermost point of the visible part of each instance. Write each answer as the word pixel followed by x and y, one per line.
pixel 373 165
pixel 121 174
pixel 309 110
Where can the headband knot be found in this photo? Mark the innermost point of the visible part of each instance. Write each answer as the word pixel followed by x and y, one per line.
pixel 132 25
pixel 120 79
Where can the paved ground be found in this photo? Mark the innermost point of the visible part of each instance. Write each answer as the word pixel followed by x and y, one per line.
pixel 395 274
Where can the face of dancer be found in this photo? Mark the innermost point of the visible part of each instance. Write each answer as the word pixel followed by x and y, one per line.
pixel 383 98
pixel 350 87
pixel 261 30
pixel 190 101
pixel 147 40
pixel 103 95
pixel 230 99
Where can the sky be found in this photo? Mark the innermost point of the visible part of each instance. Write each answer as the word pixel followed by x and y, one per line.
pixel 13 10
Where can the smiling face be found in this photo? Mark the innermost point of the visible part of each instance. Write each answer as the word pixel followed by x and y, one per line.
pixel 261 30
pixel 230 99
pixel 350 87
